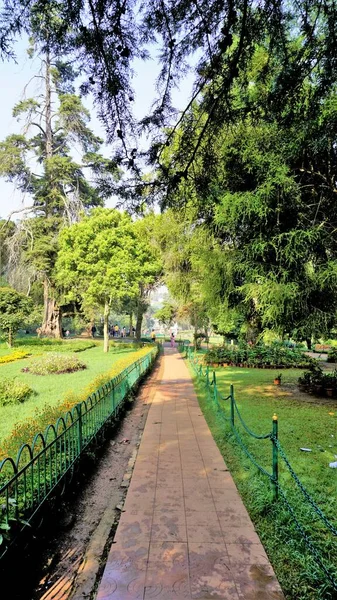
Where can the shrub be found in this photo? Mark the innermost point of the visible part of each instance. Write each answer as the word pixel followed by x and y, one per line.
pixel 54 363
pixel 13 357
pixel 13 391
pixel 318 381
pixel 275 356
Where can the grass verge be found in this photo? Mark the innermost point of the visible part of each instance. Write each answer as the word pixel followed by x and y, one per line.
pixel 301 424
pixel 51 390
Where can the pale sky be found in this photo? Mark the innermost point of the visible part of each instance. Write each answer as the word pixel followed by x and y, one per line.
pixel 14 78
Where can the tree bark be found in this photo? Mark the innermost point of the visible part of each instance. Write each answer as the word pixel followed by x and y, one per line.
pixel 140 314
pixel 52 317
pixel 106 327
pixel 10 337
pixel 48 117
pixel 131 325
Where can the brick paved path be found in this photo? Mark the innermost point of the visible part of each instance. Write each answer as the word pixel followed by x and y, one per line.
pixel 185 532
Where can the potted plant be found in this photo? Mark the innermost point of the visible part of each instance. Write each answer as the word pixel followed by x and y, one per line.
pixel 277 379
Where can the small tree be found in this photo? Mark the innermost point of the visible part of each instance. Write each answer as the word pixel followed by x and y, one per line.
pixel 15 309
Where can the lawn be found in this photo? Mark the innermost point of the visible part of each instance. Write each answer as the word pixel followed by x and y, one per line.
pixel 303 422
pixel 51 389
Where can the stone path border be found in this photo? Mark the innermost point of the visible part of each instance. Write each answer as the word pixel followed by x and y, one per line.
pixel 185 533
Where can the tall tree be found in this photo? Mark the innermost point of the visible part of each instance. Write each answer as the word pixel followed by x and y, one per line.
pixel 55 124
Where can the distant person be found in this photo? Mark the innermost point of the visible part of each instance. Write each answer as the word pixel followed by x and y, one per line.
pixel 93 331
pixel 133 332
pixel 124 332
pixel 153 335
pixel 172 340
pixel 116 328
pixel 67 333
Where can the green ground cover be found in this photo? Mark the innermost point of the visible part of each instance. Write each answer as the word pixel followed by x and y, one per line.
pixel 301 424
pixel 51 389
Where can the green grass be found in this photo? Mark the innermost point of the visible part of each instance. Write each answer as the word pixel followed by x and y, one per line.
pixel 301 424
pixel 51 389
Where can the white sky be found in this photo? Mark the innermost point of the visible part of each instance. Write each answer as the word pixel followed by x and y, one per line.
pixel 14 78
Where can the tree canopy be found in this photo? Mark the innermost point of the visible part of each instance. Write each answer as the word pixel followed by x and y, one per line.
pixel 103 260
pixel 103 37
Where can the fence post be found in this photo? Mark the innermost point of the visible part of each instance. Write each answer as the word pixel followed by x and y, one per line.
pixel 113 398
pixel 79 430
pixel 232 403
pixel 214 387
pixel 275 456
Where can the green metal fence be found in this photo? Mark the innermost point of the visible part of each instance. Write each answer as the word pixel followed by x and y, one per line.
pixel 230 418
pixel 42 467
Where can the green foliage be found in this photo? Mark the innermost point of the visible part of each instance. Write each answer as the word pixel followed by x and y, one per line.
pixel 167 314
pixel 14 310
pixel 98 258
pixel 275 356
pixel 55 363
pixel 13 391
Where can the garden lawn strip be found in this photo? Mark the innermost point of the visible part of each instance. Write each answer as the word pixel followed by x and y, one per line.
pixel 51 390
pixel 301 424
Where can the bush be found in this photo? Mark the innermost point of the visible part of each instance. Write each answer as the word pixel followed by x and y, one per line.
pixel 54 364
pixel 13 391
pixel 276 356
pixel 318 382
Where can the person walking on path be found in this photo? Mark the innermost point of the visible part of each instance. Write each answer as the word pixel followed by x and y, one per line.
pixel 153 335
pixel 173 342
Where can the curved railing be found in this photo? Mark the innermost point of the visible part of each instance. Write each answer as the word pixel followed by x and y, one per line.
pixel 230 417
pixel 40 467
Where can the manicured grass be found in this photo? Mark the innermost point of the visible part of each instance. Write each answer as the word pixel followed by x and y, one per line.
pixel 301 424
pixel 51 389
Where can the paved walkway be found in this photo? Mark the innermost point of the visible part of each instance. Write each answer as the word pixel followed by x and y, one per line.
pixel 185 533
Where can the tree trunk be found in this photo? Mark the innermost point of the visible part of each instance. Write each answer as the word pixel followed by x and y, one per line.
pixel 131 325
pixel 140 314
pixel 195 338
pixel 52 317
pixel 48 117
pixel 106 327
pixel 10 337
pixel 308 340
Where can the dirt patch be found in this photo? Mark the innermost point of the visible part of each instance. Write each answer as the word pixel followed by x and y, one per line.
pixel 292 389
pixel 72 558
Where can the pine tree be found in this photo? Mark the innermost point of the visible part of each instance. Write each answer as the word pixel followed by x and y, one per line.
pixel 55 127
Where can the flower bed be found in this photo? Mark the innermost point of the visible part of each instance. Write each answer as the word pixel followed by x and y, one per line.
pixel 13 357
pixel 54 364
pixel 260 356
